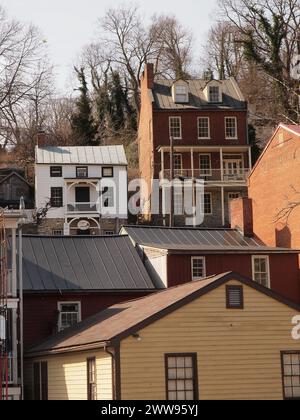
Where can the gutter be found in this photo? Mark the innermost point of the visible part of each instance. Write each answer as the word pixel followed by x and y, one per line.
pixel 116 370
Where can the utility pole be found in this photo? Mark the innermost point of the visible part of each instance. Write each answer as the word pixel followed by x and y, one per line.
pixel 171 223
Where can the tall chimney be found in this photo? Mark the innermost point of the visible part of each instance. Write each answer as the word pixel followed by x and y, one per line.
pixel 149 75
pixel 41 138
pixel 241 215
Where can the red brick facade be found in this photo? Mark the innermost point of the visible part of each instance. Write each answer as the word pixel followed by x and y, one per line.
pixel 154 146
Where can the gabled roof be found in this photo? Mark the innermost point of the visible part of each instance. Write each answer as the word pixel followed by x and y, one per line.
pixel 189 240
pixel 14 174
pixel 82 263
pixel 295 129
pixel 82 155
pixel 122 320
pixel 232 96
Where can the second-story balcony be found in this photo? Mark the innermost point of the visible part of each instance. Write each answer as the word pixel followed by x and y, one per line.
pixel 83 208
pixel 239 175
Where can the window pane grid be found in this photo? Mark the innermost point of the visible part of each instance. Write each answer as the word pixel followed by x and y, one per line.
pixel 180 378
pixel 230 128
pixel 205 165
pixel 203 128
pixel 175 127
pixel 261 273
pixel 214 94
pixel 291 375
pixel 207 204
pixel 198 268
pixel 56 197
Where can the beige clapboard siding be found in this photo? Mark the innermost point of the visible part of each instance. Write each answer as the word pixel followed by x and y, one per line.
pixel 238 350
pixel 67 376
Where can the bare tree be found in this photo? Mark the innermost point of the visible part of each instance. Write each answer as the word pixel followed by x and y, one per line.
pixel 268 33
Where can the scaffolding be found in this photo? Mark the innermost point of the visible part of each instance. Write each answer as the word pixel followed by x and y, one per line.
pixel 4 369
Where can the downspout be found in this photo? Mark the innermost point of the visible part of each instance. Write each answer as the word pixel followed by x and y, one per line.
pixel 21 312
pixel 116 375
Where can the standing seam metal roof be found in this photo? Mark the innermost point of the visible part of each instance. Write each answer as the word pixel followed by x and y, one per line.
pixel 82 263
pixel 193 238
pixel 92 155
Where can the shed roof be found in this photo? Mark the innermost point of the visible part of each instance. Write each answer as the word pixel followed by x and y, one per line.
pixel 232 96
pixel 121 320
pixel 197 239
pixel 83 155
pixel 76 263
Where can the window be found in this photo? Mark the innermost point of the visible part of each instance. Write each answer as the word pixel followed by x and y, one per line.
pixel 214 94
pixel 108 197
pixel 207 205
pixel 91 379
pixel 291 375
pixel 234 297
pixel 181 94
pixel 175 127
pixel 56 197
pixel 69 314
pixel 260 270
pixel 109 233
pixel 230 128
pixel 82 172
pixel 233 195
pixel 108 172
pixel 55 171
pixel 40 380
pixel 203 128
pixel 177 164
pixel 181 377
pixel 57 232
pixel 205 165
pixel 178 201
pixel 198 268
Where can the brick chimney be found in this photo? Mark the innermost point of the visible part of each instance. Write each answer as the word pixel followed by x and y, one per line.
pixel 41 139
pixel 149 75
pixel 242 216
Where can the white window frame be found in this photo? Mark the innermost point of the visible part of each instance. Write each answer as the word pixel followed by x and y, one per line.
pixel 219 94
pixel 170 119
pixel 236 128
pixel 182 97
pixel 267 265
pixel 59 304
pixel 204 267
pixel 198 127
pixel 211 204
pixel 209 171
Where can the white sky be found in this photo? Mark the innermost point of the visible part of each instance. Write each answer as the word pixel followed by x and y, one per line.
pixel 68 25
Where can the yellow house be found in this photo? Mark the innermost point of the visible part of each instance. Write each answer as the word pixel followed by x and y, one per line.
pixel 224 337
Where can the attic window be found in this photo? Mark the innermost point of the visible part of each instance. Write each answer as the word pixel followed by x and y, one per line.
pixel 214 94
pixel 181 94
pixel 234 297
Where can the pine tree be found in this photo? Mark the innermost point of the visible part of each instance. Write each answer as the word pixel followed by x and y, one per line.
pixel 83 124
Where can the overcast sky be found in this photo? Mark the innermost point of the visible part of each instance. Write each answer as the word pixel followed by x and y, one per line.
pixel 68 25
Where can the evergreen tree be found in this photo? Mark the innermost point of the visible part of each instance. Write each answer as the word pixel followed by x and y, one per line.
pixel 83 124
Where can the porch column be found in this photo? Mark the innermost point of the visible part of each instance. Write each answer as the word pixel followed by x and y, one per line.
pixel 162 158
pixel 223 206
pixel 250 159
pixel 221 164
pixel 14 263
pixel 192 163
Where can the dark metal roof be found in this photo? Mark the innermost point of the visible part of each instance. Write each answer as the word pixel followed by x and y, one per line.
pixel 82 263
pixel 193 239
pixel 124 319
pixel 232 96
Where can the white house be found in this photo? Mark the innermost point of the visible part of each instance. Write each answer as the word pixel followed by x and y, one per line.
pixel 82 190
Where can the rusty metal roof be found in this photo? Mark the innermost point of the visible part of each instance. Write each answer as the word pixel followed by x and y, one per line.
pixel 87 263
pixel 232 96
pixel 197 239
pixel 124 319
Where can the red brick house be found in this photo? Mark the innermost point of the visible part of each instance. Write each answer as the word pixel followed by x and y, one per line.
pixel 68 279
pixel 274 185
pixel 207 120
pixel 175 256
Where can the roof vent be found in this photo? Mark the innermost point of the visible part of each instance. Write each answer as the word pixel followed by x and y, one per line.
pixel 234 297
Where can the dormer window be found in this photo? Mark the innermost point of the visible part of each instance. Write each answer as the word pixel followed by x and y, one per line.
pixel 180 92
pixel 214 94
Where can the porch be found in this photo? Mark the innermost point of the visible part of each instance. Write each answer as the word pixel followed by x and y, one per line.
pixel 82 197
pixel 216 166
